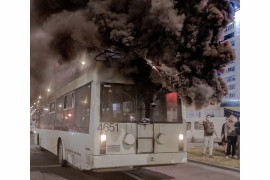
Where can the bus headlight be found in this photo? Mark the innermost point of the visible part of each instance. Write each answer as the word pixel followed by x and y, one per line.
pixel 181 137
pixel 181 142
pixel 103 144
pixel 103 137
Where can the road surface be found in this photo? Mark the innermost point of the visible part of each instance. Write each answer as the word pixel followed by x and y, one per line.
pixel 44 166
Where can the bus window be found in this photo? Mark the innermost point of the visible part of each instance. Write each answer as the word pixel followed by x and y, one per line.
pixel 44 120
pixel 82 109
pixel 118 102
pixel 168 109
pixel 198 126
pixel 68 103
pixel 59 124
pixel 68 112
pixel 171 103
pixel 46 109
pixel 52 107
pixel 42 112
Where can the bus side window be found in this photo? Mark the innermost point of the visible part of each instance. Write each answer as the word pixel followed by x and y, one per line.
pixel 45 121
pixel 69 101
pixel 42 112
pixel 52 107
pixel 82 109
pixel 68 112
pixel 59 113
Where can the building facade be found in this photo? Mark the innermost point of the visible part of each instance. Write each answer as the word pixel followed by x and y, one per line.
pixel 232 73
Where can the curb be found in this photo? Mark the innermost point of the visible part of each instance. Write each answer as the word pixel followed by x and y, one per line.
pixel 215 165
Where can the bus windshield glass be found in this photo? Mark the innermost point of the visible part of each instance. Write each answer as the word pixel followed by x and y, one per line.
pixel 118 103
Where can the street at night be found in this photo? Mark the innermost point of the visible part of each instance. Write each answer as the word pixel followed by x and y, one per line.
pixel 134 90
pixel 118 89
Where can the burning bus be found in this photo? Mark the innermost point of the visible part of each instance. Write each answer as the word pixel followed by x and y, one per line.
pixel 101 120
pixel 128 106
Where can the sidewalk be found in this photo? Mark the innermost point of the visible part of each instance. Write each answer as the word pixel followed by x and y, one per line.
pixel 195 155
pixel 215 165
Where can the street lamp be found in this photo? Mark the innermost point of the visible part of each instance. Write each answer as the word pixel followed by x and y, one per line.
pixel 39 97
pixel 49 90
pixel 83 63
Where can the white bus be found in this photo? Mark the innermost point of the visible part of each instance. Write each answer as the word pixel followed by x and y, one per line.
pixel 195 130
pixel 94 122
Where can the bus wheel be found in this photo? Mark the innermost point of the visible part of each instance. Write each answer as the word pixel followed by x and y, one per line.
pixel 60 154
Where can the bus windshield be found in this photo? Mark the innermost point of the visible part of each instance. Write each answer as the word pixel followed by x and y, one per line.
pixel 118 103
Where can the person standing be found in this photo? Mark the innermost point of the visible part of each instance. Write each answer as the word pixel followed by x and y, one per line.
pixel 230 137
pixel 237 130
pixel 209 130
pixel 223 142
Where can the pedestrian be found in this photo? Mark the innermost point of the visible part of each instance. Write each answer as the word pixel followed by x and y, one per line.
pixel 209 130
pixel 237 130
pixel 230 137
pixel 223 141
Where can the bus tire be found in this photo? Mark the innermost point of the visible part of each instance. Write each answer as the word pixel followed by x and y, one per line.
pixel 62 162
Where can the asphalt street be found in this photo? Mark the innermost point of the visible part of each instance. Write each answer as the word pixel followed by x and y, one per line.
pixel 43 165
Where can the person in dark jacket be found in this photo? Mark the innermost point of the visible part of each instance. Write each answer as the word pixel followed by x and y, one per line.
pixel 237 130
pixel 230 136
pixel 223 141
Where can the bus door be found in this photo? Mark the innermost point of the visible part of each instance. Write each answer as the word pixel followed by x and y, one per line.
pixel 145 131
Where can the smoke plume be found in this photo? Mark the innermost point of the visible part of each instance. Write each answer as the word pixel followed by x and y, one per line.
pixel 165 44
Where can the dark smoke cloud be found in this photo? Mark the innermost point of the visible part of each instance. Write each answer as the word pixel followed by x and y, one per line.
pixel 71 33
pixel 56 41
pixel 179 38
pixel 42 9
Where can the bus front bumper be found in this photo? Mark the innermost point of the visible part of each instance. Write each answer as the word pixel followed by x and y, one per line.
pixel 110 161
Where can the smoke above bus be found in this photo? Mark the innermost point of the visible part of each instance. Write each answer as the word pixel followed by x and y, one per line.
pixel 163 44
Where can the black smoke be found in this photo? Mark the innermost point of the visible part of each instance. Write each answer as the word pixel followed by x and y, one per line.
pixel 178 38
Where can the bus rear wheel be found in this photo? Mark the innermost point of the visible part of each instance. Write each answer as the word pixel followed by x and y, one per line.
pixel 62 162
